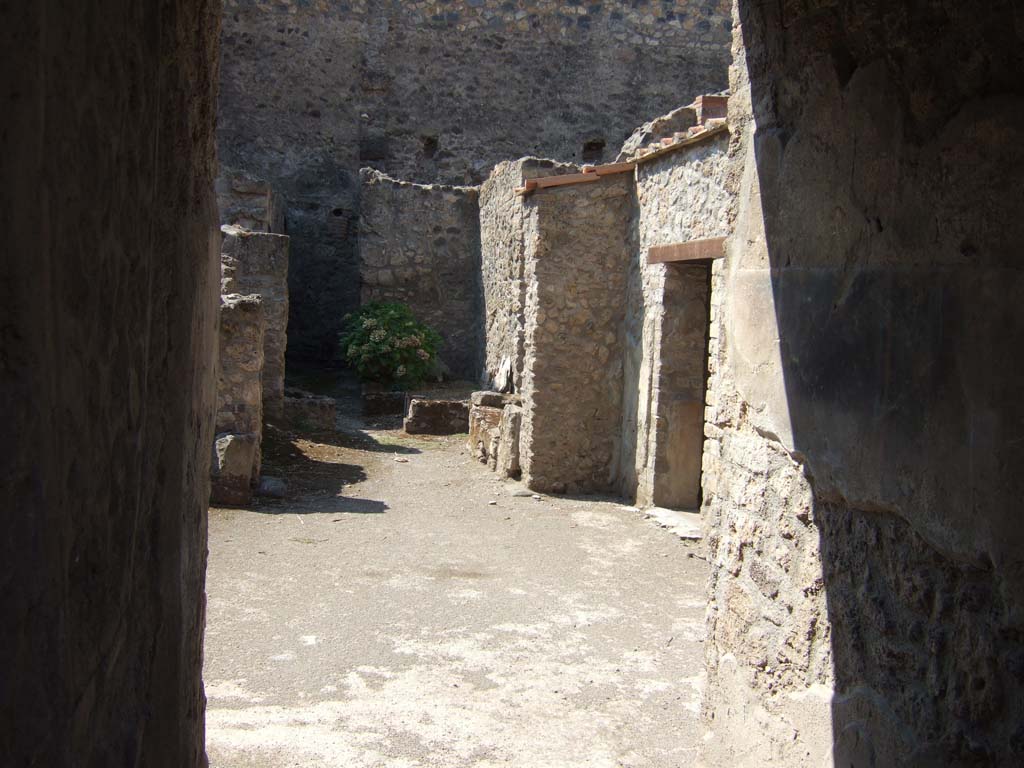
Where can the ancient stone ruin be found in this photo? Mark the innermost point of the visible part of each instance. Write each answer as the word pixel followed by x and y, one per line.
pixel 805 321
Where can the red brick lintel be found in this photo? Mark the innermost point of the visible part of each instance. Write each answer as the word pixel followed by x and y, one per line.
pixel 691 250
pixel 589 174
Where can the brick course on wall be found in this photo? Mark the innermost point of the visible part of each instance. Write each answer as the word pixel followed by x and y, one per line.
pixel 312 91
pixel 420 245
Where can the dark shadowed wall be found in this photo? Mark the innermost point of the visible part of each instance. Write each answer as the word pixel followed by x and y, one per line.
pixel 862 476
pixel 108 289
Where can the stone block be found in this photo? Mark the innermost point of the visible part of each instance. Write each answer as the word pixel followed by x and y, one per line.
pixel 484 422
pixel 304 410
pixel 437 417
pixel 233 468
pixel 493 399
pixel 240 368
pixel 383 403
pixel 257 263
pixel 507 454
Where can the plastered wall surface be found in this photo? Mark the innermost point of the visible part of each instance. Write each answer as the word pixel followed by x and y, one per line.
pixel 420 245
pixel 860 474
pixel 109 303
pixel 311 91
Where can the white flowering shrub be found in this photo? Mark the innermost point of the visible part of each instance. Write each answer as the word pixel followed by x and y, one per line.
pixel 386 344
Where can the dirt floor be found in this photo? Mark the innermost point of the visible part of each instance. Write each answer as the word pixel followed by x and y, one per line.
pixel 403 607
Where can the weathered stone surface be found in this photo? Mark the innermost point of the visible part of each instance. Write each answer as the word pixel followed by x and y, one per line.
pixel 505 226
pixel 484 426
pixel 272 487
pixel 861 478
pixel 507 455
pixel 257 262
pixel 108 345
pixel 304 410
pixel 680 197
pixel 231 473
pixel 492 399
pixel 420 245
pixel 249 203
pixel 436 417
pixel 576 266
pixel 313 91
pixel 384 403
pixel 240 370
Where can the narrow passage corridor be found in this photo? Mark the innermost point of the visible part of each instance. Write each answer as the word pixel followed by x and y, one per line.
pixel 403 607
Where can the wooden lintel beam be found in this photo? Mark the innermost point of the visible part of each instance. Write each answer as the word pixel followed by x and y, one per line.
pixel 691 250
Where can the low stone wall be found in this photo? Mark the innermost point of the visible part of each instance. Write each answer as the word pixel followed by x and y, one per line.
pixel 420 245
pixel 257 263
pixel 239 415
pixel 576 266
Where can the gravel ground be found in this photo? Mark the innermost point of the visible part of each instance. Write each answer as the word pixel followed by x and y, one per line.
pixel 405 608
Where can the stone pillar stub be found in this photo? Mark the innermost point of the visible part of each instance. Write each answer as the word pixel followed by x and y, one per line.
pixel 257 263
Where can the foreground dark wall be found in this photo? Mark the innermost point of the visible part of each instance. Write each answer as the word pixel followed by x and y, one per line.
pixel 108 290
pixel 438 91
pixel 863 473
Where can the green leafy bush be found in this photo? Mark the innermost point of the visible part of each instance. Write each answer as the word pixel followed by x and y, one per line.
pixel 387 345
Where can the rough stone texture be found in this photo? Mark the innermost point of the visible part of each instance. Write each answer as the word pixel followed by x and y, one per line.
pixel 861 475
pixel 437 417
pixel 304 410
pixel 507 459
pixel 257 262
pixel 664 126
pixel 249 203
pixel 108 315
pixel 240 372
pixel 436 91
pixel 384 403
pixel 681 196
pixel 484 431
pixel 506 225
pixel 420 245
pixel 235 457
pixel 576 274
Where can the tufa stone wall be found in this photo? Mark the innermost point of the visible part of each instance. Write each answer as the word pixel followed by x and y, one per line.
pixel 257 263
pixel 311 91
pixel 249 203
pixel 420 245
pixel 681 197
pixel 505 226
pixel 576 272
pixel 861 474
pixel 108 315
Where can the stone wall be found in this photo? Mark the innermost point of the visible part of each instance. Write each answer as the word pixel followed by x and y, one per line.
pixel 681 197
pixel 576 270
pixel 420 245
pixel 257 263
pixel 861 474
pixel 249 203
pixel 506 224
pixel 313 90
pixel 108 315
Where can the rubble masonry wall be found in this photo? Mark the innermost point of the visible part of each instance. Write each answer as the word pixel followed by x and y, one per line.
pixel 861 473
pixel 312 91
pixel 257 263
pixel 576 271
pixel 420 245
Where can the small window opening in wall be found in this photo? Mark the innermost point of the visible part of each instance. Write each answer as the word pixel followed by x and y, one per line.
pixel 338 212
pixel 593 150
pixel 429 145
